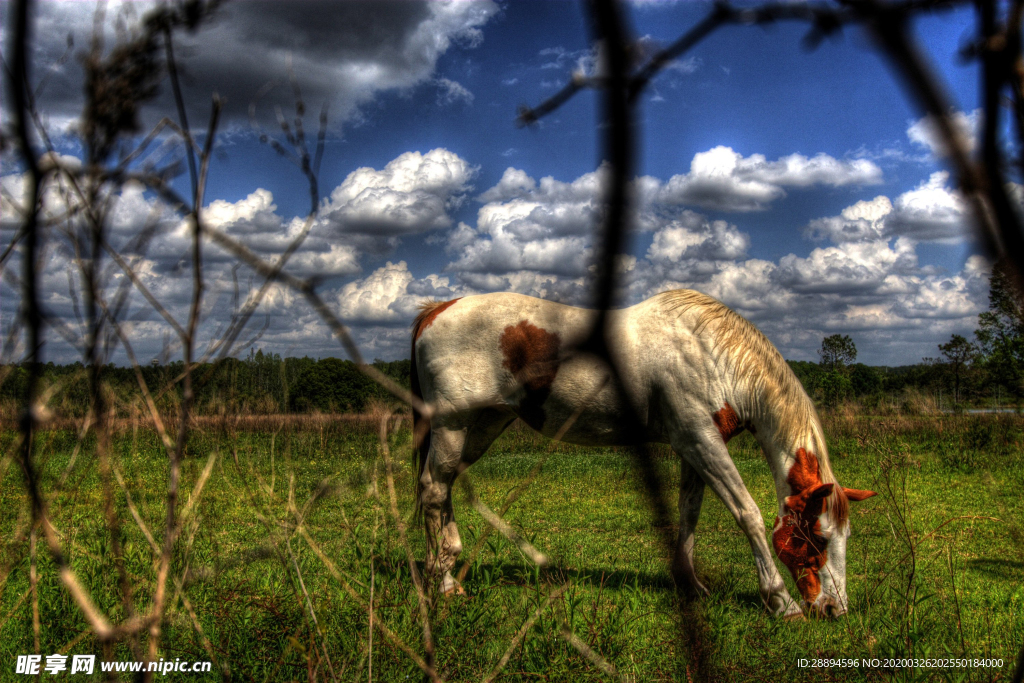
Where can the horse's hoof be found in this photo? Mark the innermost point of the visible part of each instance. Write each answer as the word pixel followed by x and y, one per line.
pixel 454 590
pixel 696 592
pixel 794 616
pixel 450 587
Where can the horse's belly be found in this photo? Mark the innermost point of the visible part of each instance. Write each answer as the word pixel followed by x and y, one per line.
pixel 579 407
pixel 591 428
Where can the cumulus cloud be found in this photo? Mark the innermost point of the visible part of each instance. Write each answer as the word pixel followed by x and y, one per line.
pixel 526 225
pixel 725 180
pixel 391 294
pixel 864 220
pixel 925 132
pixel 894 308
pixel 850 268
pixel 930 212
pixel 690 249
pixel 255 222
pixel 413 193
pixel 545 227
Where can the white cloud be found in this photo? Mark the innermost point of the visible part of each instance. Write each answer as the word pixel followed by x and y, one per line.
pixel 725 180
pixel 689 249
pixel 255 213
pixel 849 268
pixel 716 240
pixel 749 287
pixel 411 194
pixel 414 193
pixel 391 294
pixel 584 62
pixel 925 132
pixel 526 225
pixel 684 66
pixel 451 92
pixel 862 221
pixel 513 183
pixel 930 212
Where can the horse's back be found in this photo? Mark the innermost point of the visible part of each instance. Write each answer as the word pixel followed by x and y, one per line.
pixel 468 353
pixel 519 352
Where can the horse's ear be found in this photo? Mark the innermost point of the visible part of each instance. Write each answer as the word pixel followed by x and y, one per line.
pixel 858 494
pixel 820 491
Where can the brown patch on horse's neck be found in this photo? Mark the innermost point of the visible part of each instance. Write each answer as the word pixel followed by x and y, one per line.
pixel 429 310
pixel 531 355
pixel 804 473
pixel 797 537
pixel 728 422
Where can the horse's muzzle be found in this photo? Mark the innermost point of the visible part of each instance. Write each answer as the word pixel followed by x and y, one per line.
pixel 826 608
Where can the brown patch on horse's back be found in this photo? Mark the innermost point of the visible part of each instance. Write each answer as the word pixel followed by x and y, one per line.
pixel 727 422
pixel 429 310
pixel 530 353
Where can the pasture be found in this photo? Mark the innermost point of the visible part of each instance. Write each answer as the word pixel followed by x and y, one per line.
pixel 293 532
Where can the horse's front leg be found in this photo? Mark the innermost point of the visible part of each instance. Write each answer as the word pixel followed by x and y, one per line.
pixel 443 542
pixel 710 457
pixel 691 497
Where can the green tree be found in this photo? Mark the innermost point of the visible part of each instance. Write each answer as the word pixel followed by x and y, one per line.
pixel 1000 333
pixel 333 385
pixel 959 354
pixel 837 352
pixel 865 380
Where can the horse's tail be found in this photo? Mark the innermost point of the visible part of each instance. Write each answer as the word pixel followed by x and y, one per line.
pixel 420 424
pixel 420 429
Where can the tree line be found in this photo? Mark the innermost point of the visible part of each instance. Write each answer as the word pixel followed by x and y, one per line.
pixel 261 383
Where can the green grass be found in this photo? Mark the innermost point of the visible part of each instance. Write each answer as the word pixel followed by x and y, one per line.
pixel 920 585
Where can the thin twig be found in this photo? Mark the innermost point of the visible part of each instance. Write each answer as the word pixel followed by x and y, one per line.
pixel 501 526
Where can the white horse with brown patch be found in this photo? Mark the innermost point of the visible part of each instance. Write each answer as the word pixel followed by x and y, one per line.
pixel 697 374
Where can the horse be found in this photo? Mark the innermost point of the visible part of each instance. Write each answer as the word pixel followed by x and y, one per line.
pixel 697 374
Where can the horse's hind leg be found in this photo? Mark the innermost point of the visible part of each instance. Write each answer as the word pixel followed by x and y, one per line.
pixel 452 449
pixel 691 496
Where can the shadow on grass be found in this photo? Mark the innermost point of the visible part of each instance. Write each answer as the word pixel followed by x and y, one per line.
pixel 1001 568
pixel 523 574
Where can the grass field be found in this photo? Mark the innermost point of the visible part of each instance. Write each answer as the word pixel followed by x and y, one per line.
pixel 935 563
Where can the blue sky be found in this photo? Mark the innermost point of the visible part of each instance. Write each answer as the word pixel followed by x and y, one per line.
pixel 801 188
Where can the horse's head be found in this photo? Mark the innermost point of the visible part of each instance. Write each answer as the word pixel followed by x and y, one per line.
pixel 810 536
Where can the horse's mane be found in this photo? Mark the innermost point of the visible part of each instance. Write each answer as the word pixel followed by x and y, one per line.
pixel 776 394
